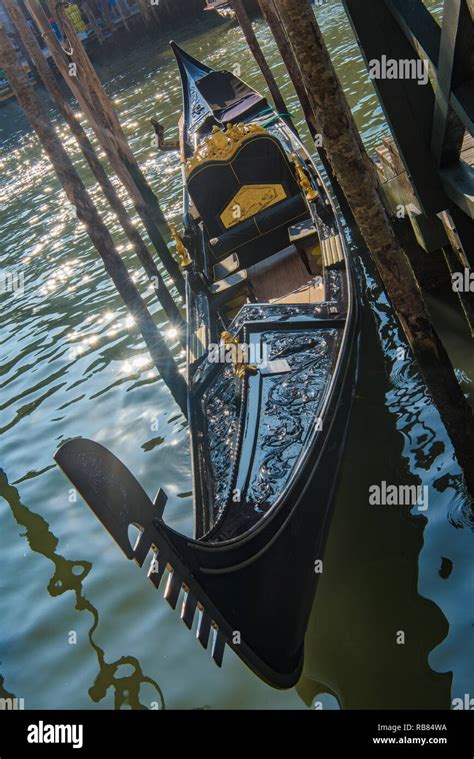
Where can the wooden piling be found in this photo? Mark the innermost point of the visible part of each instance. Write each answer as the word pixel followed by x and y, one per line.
pixel 88 215
pixel 357 177
pixel 270 15
pixel 92 21
pixel 252 42
pixel 108 16
pixel 123 13
pixel 141 250
pixel 86 87
pixel 272 18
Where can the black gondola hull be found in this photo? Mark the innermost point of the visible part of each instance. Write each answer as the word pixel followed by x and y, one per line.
pixel 260 590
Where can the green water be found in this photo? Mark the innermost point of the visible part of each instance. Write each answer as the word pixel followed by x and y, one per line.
pixel 80 627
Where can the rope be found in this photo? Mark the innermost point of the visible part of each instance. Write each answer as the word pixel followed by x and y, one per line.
pixel 276 117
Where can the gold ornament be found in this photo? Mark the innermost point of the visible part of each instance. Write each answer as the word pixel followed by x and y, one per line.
pixel 185 259
pixel 221 145
pixel 241 368
pixel 303 181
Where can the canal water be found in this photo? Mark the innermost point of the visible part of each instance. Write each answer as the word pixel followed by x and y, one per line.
pixel 393 620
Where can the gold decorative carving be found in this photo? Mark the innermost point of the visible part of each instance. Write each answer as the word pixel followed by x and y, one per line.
pixel 185 259
pixel 308 189
pixel 221 145
pixel 250 200
pixel 241 368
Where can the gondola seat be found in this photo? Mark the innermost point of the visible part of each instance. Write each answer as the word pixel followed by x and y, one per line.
pixel 261 236
pixel 246 193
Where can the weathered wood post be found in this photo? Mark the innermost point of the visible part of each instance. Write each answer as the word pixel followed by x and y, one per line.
pixel 86 87
pixel 357 177
pixel 123 13
pixel 109 23
pixel 92 20
pixel 456 63
pixel 88 215
pixel 252 41
pixel 144 255
pixel 272 18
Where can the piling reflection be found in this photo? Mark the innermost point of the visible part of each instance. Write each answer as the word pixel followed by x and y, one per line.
pixel 68 576
pixel 381 623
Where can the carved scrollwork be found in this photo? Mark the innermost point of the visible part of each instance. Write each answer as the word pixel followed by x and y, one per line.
pixel 290 408
pixel 222 144
pixel 221 408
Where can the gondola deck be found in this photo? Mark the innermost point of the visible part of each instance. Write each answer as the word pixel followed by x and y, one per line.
pixel 267 274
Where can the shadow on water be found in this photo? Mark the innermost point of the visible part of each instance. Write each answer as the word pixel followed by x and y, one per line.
pixel 68 576
pixel 379 614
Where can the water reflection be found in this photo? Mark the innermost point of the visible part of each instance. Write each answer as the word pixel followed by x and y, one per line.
pixel 69 576
pixel 384 628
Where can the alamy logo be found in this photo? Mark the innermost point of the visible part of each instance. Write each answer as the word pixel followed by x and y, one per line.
pixel 463 282
pixel 233 353
pixel 405 68
pixel 466 703
pixel 42 733
pixel 399 495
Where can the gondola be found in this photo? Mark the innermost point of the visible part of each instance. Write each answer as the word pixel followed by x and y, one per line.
pixel 272 351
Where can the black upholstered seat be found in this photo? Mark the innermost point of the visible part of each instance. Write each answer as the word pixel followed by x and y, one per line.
pixel 248 202
pixel 262 234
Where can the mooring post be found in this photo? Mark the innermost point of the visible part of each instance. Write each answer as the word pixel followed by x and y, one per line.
pixel 89 216
pixel 123 13
pixel 257 52
pixel 91 18
pixel 107 16
pixel 272 18
pixel 86 87
pixel 144 255
pixel 103 106
pixel 270 15
pixel 358 179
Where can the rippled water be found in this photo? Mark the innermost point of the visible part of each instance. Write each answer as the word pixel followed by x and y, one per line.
pixel 71 364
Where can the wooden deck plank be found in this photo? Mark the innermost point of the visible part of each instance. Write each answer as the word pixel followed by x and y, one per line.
pixel 312 292
pixel 287 281
pixel 279 279
pixel 467 152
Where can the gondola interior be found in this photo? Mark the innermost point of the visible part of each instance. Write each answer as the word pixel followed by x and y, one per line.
pixel 262 232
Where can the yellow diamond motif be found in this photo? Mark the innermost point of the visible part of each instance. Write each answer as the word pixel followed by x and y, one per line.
pixel 250 200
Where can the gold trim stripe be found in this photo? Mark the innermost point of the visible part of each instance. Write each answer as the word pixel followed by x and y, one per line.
pixel 332 250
